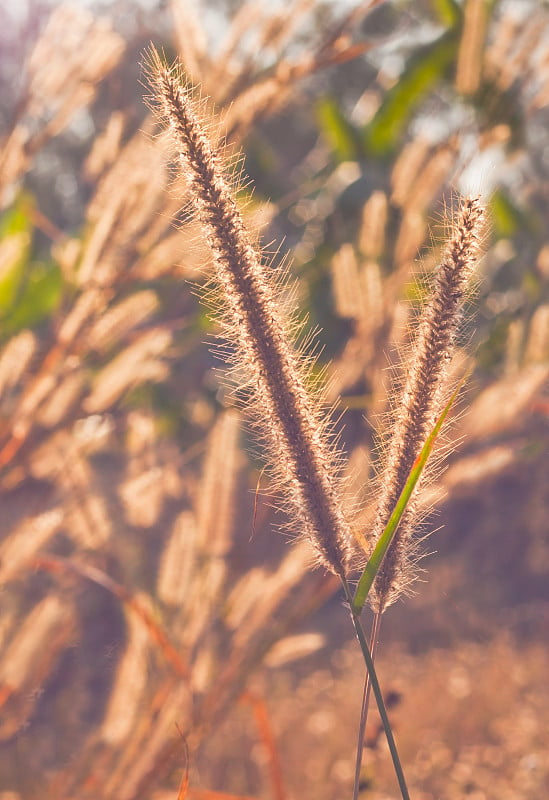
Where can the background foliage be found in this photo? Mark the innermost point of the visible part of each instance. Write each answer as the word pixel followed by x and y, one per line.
pixel 142 583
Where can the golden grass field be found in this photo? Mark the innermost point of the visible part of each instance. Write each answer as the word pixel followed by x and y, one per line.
pixel 159 637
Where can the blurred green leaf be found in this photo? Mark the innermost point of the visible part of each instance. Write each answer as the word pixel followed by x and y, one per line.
pixel 491 352
pixel 448 12
pixel 37 299
pixel 18 218
pixel 417 291
pixel 506 217
pixel 338 132
pixel 29 291
pixel 15 247
pixel 424 71
pixel 532 286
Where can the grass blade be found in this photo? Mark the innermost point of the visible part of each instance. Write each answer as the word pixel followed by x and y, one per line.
pixel 370 571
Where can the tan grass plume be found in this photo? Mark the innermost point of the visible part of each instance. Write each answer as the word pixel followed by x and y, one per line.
pixel 420 401
pixel 287 413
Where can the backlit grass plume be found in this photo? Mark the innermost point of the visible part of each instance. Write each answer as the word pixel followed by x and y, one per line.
pixel 420 401
pixel 255 323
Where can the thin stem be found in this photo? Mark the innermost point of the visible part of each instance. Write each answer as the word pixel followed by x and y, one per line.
pixel 365 705
pixel 376 688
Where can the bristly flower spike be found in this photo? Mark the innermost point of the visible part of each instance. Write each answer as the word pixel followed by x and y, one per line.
pixel 287 413
pixel 422 395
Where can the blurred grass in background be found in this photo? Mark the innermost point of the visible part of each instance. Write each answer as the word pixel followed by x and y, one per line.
pixel 119 444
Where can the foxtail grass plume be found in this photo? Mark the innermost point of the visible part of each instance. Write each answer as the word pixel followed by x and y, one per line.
pixel 420 402
pixel 283 407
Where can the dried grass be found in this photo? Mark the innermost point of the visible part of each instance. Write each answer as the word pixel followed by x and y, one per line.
pixel 98 484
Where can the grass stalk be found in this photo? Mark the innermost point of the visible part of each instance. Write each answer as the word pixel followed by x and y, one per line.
pixel 286 412
pixel 365 705
pixel 375 561
pixel 376 688
pixel 378 694
pixel 372 567
pixel 421 399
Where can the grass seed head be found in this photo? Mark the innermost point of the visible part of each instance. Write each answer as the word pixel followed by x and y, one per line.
pixel 421 398
pixel 256 322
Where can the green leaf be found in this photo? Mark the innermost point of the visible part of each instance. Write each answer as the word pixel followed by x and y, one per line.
pixel 449 12
pixel 372 567
pixel 506 218
pixel 423 72
pixel 14 253
pixel 38 298
pixel 416 291
pixel 18 219
pixel 15 248
pixel 338 132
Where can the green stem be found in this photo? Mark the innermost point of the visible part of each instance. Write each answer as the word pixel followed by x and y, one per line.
pixel 365 706
pixel 376 688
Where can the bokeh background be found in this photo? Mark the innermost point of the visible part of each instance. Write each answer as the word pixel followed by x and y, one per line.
pixel 154 623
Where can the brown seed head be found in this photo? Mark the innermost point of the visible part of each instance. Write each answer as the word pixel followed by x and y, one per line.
pixel 421 399
pixel 256 324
